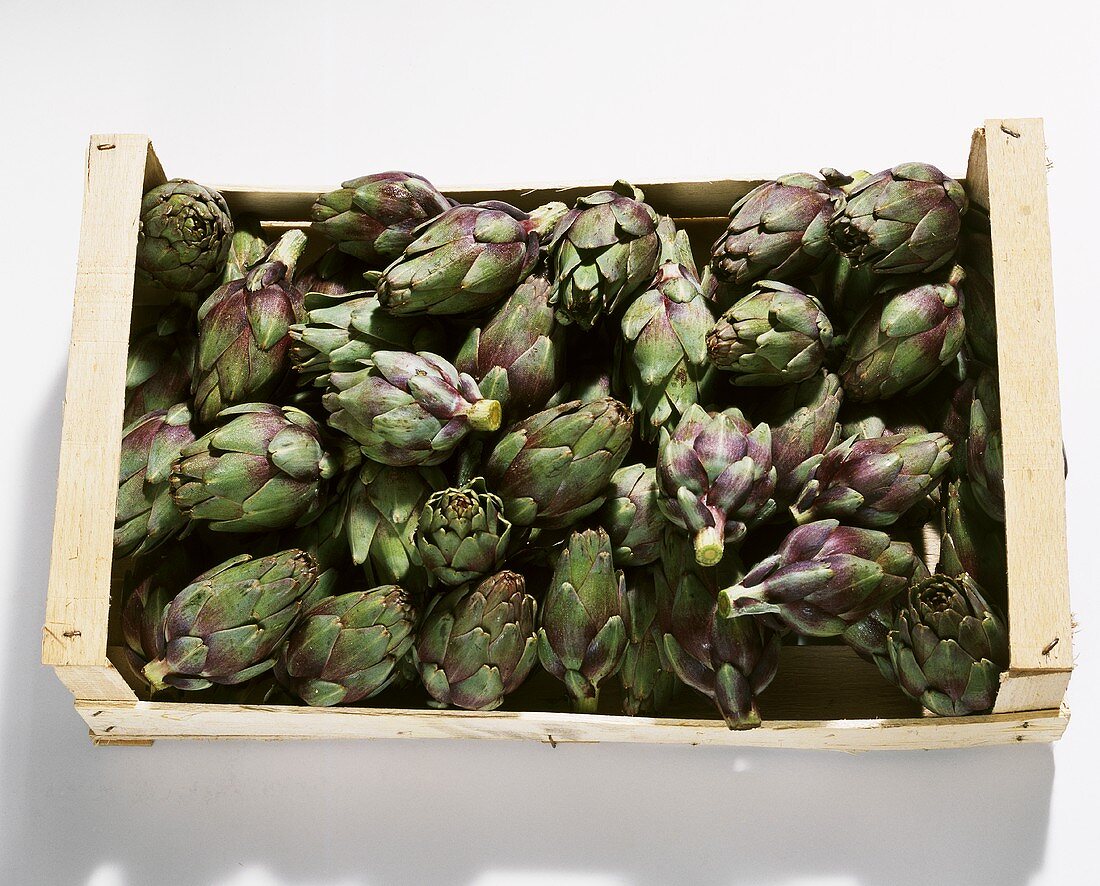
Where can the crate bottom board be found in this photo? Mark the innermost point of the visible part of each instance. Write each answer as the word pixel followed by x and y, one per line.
pixel 140 723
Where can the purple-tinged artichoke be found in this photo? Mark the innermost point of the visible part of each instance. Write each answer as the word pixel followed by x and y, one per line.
pixel 553 468
pixel 949 646
pixel 228 624
pixel 775 335
pixel 148 588
pixel 244 333
pixel 979 304
pixel 866 421
pixel 874 482
pixel 246 248
pixel 159 363
pixel 716 478
pixel 262 467
pixel 868 638
pixel 585 619
pixel 972 542
pixel 729 660
pixel 777 231
pixel 824 578
pixel 910 331
pixel 346 647
pixel 462 534
pixel 663 352
pixel 632 517
pixel 477 644
pixel 516 357
pixel 905 220
pixel 408 409
pixel 846 291
pixel 648 682
pixel 145 514
pixel 603 251
pixel 984 452
pixel 803 421
pixel 183 236
pixel 373 217
pixel 465 260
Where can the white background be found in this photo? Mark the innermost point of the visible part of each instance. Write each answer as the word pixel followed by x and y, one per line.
pixel 308 94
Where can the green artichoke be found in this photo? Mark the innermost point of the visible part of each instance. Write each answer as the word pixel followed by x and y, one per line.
pixel 775 335
pixel 663 353
pixel 972 542
pixel 984 449
pixel 729 660
pixel 325 538
pixel 463 261
pixel 949 646
pixel 979 306
pixel 552 469
pixel 846 290
pixel 603 251
pixel 183 236
pixel 159 362
pixel 868 638
pixel 648 682
pixel 632 517
pixel 777 231
pixel 716 478
pixel 373 217
pixel 145 514
pixel 341 331
pixel 462 534
pixel 910 331
pixel 824 578
pixel 954 419
pixel 244 333
pixel 346 647
pixel 477 644
pixel 803 421
pixel 382 511
pixel 516 357
pixel 874 482
pixel 408 409
pixel 585 619
pixel 227 625
pixel 905 220
pixel 262 467
pixel 246 248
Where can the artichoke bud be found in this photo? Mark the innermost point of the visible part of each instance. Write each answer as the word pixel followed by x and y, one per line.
pixel 184 236
pixel 462 534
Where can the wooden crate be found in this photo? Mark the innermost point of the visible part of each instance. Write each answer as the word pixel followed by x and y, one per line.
pixel 823 697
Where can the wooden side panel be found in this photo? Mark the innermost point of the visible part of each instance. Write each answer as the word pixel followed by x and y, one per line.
pixel 1038 589
pixel 75 631
pixel 95 682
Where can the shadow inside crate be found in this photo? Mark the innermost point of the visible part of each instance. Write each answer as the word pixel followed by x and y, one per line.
pixel 472 812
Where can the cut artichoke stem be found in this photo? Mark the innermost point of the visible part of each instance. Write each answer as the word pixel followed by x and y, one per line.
pixel 735 602
pixel 155 672
pixel 484 415
pixel 709 546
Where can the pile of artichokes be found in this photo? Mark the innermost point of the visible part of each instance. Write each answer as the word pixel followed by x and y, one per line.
pixel 437 446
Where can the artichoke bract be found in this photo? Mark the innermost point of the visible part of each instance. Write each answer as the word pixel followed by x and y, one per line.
pixel 244 333
pixel 408 409
pixel 949 646
pixel 383 509
pixel 346 647
pixel 632 517
pixel 603 251
pixel 868 638
pixel 824 578
pixel 159 363
pixel 904 220
pixel 874 482
pixel 911 331
pixel 145 514
pixel 373 217
pixel 729 660
pixel 149 588
pixel 716 478
pixel 803 422
pixel 463 261
pixel 973 542
pixel 227 625
pixel 585 619
pixel 340 331
pixel 246 247
pixel 775 335
pixel 462 534
pixel 516 357
pixel 477 644
pixel 777 231
pixel 552 469
pixel 984 447
pixel 263 467
pixel 648 684
pixel 663 348
pixel 183 236
pixel 979 306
